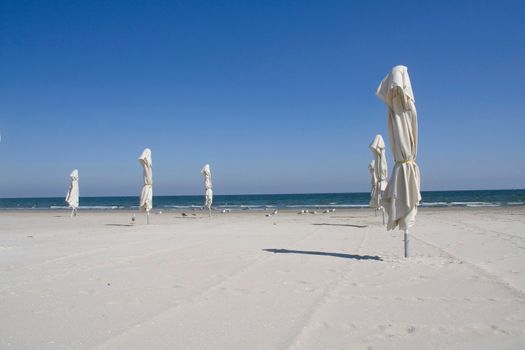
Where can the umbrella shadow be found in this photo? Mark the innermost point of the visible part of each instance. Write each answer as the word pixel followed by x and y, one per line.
pixel 336 255
pixel 345 225
pixel 127 225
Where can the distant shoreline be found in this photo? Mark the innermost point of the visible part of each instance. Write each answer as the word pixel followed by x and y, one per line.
pixel 264 194
pixel 292 202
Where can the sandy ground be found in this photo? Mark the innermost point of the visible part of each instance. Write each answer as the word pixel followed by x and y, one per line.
pixel 246 281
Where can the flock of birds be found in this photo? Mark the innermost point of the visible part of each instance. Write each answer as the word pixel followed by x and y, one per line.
pixel 274 212
pixel 314 212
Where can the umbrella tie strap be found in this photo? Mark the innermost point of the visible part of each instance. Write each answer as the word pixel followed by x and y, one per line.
pixel 409 161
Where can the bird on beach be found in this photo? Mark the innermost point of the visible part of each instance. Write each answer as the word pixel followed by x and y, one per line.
pixel 273 213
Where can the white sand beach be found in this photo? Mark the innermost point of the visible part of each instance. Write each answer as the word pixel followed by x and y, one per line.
pixel 246 281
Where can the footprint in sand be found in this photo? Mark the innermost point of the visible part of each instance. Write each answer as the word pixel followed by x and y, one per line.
pixel 240 291
pixel 322 325
pixel 349 326
pixel 498 330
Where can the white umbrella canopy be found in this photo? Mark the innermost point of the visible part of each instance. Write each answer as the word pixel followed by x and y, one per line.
pixel 402 194
pixel 73 192
pixel 206 172
pixel 146 196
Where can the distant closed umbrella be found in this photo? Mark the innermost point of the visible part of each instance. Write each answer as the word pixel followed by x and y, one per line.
pixel 378 151
pixel 402 194
pixel 146 196
pixel 373 184
pixel 73 193
pixel 208 187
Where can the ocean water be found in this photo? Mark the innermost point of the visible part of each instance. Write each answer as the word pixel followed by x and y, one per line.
pixel 485 198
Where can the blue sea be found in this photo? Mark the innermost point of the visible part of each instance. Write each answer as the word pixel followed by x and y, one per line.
pixel 485 198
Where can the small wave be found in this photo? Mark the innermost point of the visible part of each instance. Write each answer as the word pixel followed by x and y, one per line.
pixel 515 203
pixel 90 207
pixel 475 204
pixel 183 206
pixel 435 204
pixel 327 206
pixel 462 204
pixel 241 206
pixel 101 207
pixel 24 208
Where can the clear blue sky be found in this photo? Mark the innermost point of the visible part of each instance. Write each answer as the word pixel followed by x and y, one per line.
pixel 278 96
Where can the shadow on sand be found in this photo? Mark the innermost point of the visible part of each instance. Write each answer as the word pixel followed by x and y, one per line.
pixel 346 225
pixel 127 225
pixel 337 255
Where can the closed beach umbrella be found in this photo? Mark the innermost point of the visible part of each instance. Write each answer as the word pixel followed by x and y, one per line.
pixel 206 172
pixel 378 151
pixel 373 193
pixel 402 195
pixel 146 196
pixel 73 193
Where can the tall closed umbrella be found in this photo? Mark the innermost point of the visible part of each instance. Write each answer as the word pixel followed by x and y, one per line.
pixel 146 196
pixel 208 187
pixel 378 150
pixel 73 193
pixel 402 195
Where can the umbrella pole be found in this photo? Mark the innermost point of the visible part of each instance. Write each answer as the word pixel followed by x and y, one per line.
pixel 383 210
pixel 72 211
pixel 378 191
pixel 147 214
pixel 406 242
pixel 209 212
